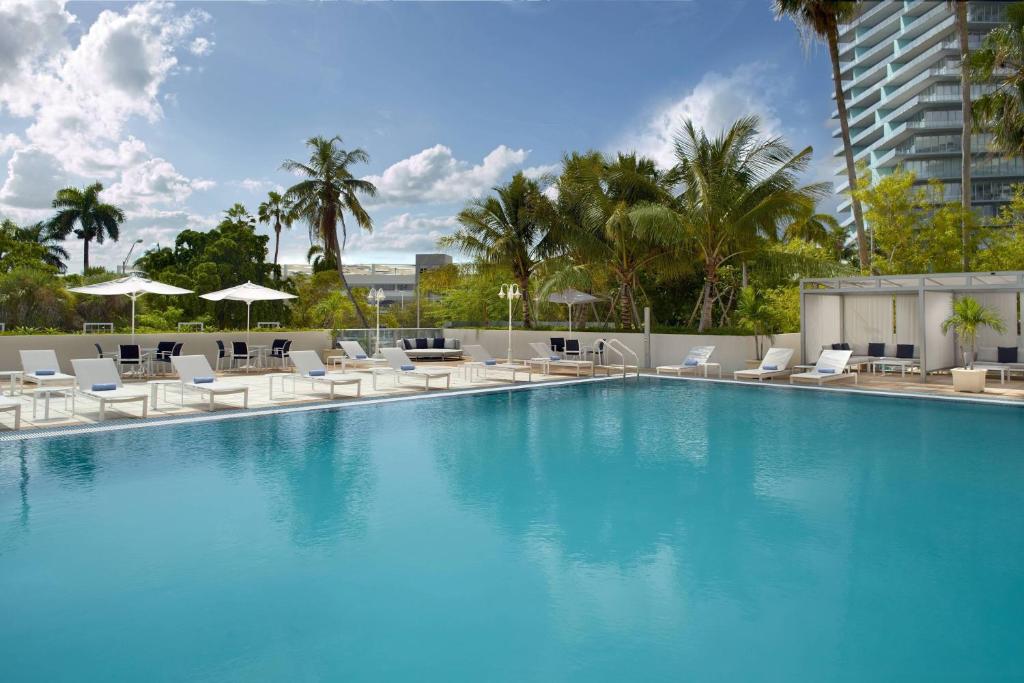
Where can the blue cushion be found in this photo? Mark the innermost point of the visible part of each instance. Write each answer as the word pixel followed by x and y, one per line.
pixel 361 356
pixel 769 367
pixel 202 380
pixel 690 362
pixel 837 347
pixel 317 373
pixel 554 358
pixel 421 343
pixel 438 342
pixel 44 373
pixel 1007 354
pixel 104 387
pixel 827 371
pixel 876 349
pixel 407 367
pixel 490 361
pixel 407 343
pixel 904 350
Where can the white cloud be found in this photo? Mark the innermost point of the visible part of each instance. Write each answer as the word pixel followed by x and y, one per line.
pixel 435 175
pixel 405 232
pixel 257 185
pixel 539 172
pixel 713 104
pixel 79 99
pixel 201 46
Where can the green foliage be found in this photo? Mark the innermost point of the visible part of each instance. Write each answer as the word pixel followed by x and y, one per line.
pixel 1000 60
pixel 32 297
pixel 80 212
pixel 968 317
pixel 757 317
pixel 321 303
pixel 1004 243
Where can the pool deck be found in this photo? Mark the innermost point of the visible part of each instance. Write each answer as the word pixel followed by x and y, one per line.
pixel 260 397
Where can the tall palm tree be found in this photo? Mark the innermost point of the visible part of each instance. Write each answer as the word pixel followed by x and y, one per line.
pixel 1000 60
pixel 328 191
pixel 737 189
pixel 96 221
pixel 276 210
pixel 820 20
pixel 960 9
pixel 616 218
pixel 507 230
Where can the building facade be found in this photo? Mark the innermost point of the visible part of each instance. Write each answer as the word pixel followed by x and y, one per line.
pixel 900 64
pixel 399 282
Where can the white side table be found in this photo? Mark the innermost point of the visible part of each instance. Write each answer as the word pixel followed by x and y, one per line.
pixel 45 393
pixel 281 376
pixel 156 384
pixel 16 378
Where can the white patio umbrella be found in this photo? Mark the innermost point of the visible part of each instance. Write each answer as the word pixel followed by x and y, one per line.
pixel 571 297
pixel 247 293
pixel 133 287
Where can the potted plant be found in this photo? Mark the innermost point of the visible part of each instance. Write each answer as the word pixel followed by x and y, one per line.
pixel 968 317
pixel 755 316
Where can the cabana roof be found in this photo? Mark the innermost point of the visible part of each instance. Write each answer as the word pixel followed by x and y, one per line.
pixel 1001 281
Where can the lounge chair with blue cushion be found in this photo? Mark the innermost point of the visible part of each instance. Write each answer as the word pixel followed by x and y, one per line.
pixel 98 379
pixel 400 365
pixel 697 360
pixel 309 368
pixel 357 357
pixel 41 367
pixel 197 376
pixel 548 359
pixel 774 364
pixel 832 365
pixel 482 362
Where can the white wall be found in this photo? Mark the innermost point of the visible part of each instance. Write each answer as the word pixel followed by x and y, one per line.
pixel 941 348
pixel 666 349
pixel 70 346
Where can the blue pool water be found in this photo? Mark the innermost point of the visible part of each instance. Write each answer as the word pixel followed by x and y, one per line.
pixel 660 531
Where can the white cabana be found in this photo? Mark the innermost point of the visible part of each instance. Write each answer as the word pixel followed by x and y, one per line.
pixel 572 297
pixel 248 293
pixel 905 309
pixel 133 287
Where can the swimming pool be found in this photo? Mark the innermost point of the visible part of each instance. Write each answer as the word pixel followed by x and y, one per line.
pixel 651 530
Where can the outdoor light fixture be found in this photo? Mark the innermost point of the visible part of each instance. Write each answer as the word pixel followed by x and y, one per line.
pixel 375 297
pixel 510 292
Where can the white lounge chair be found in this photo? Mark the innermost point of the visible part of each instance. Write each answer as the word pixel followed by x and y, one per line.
pixel 401 366
pixel 12 405
pixel 774 364
pixel 482 362
pixel 357 357
pixel 98 379
pixel 547 359
pixel 696 360
pixel 831 366
pixel 196 375
pixel 308 368
pixel 41 367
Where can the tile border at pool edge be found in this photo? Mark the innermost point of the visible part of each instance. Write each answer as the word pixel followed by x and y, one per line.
pixel 976 400
pixel 242 413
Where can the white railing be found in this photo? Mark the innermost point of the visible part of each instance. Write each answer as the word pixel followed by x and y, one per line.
pixel 620 350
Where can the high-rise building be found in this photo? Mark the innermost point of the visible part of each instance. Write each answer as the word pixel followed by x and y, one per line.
pixel 900 64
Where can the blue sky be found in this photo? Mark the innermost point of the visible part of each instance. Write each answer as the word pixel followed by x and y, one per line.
pixel 183 109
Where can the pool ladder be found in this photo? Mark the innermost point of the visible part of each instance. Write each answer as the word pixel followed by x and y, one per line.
pixel 620 350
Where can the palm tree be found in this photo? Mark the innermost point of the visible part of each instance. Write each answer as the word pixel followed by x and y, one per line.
pixel 968 317
pixel 328 191
pixel 276 210
pixel 823 230
pixel 755 315
pixel 506 230
pixel 960 8
pixel 54 254
pixel 616 218
pixel 1000 60
pixel 820 20
pixel 736 190
pixel 95 220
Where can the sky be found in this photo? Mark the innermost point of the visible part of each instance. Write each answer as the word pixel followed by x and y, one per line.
pixel 183 109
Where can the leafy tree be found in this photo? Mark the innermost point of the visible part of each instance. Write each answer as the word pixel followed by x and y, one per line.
pixel 96 220
pixel 32 297
pixel 329 190
pixel 278 211
pixel 507 231
pixel 616 222
pixel 737 189
pixel 1004 243
pixel 820 20
pixel 17 251
pixel 754 315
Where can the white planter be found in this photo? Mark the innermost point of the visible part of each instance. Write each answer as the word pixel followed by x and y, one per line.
pixel 971 381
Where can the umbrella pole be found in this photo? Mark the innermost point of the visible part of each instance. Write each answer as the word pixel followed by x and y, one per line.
pixel 248 307
pixel 570 320
pixel 133 318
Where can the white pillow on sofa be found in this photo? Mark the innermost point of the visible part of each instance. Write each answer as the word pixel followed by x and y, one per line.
pixel 988 354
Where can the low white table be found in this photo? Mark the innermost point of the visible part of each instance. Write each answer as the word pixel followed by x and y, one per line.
pixel 281 376
pixel 156 384
pixel 15 377
pixel 891 364
pixel 45 393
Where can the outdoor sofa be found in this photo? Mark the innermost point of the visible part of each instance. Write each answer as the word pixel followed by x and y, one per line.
pixel 438 348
